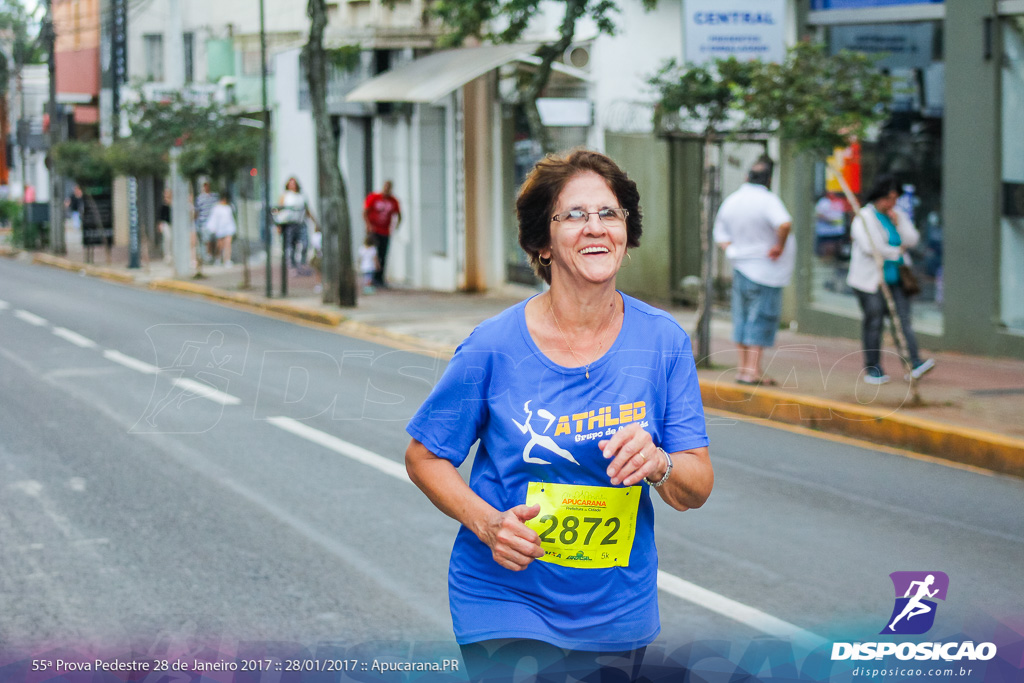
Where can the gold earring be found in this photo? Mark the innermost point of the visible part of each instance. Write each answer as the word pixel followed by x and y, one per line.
pixel 629 261
pixel 541 260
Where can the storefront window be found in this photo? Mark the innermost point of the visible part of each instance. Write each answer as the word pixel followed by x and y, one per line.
pixel 1011 271
pixel 908 146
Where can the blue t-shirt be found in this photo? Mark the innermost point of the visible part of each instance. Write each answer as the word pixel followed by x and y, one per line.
pixel 890 269
pixel 529 414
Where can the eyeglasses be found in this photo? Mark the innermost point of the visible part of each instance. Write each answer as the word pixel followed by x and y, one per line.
pixel 608 217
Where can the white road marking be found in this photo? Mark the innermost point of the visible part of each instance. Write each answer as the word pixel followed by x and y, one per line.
pixel 737 611
pixel 709 600
pixel 30 318
pixel 74 338
pixel 349 450
pixel 206 391
pixel 4 305
pixel 129 362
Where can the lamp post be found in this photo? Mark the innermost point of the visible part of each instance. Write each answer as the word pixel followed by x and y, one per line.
pixel 266 159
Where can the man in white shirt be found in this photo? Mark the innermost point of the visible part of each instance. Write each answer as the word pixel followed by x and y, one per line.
pixel 753 226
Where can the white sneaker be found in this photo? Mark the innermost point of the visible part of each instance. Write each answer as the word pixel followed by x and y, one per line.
pixel 920 369
pixel 874 375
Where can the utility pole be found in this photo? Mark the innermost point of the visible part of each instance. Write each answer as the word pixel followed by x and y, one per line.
pixel 57 244
pixel 266 167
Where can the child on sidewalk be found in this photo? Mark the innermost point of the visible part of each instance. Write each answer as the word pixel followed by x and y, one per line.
pixel 368 263
pixel 316 243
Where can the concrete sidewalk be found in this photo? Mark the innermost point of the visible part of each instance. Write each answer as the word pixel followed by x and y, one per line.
pixel 972 412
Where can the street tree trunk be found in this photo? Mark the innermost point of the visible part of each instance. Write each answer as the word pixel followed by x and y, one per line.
pixel 574 9
pixel 705 299
pixel 338 270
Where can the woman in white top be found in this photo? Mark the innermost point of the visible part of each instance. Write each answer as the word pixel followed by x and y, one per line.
pixel 291 214
pixel 221 225
pixel 883 233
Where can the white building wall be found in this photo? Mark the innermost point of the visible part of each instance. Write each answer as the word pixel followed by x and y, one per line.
pixel 206 20
pixel 621 65
pixel 292 132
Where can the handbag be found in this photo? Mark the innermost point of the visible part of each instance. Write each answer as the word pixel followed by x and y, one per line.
pixel 288 216
pixel 908 281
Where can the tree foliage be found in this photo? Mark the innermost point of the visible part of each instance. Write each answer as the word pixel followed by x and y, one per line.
pixel 214 144
pixel 85 162
pixel 506 21
pixel 819 101
pixel 815 99
pixel 23 44
pixel 708 94
pixel 130 157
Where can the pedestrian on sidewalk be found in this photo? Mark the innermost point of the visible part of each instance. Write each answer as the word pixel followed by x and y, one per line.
pixel 204 203
pixel 290 216
pixel 583 400
pixel 316 261
pixel 369 263
pixel 221 224
pixel 75 205
pixel 753 227
pixel 883 232
pixel 382 214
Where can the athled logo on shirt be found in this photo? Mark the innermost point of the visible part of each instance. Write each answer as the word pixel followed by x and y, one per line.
pixel 913 613
pixel 584 426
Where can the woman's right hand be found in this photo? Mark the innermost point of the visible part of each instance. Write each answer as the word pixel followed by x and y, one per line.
pixel 513 544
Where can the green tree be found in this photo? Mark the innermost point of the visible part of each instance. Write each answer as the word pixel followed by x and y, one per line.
pixel 22 45
pixel 816 100
pixel 339 275
pixel 474 18
pixel 87 163
pixel 214 144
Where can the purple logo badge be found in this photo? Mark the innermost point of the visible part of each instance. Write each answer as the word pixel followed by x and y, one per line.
pixel 916 592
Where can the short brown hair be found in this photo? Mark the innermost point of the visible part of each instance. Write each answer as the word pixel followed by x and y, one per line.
pixel 545 182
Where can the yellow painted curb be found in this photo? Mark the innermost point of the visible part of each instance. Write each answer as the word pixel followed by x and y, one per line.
pixel 92 271
pixel 975 447
pixel 308 314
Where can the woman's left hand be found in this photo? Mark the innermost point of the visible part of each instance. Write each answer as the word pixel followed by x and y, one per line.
pixel 633 456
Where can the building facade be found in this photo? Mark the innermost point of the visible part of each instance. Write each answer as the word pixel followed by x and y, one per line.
pixel 956 138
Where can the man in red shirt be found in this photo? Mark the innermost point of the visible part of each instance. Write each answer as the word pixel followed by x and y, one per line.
pixel 382 215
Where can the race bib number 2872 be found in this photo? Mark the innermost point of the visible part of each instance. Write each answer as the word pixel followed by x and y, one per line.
pixel 584 526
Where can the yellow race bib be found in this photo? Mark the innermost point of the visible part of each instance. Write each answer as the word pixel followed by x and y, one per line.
pixel 584 526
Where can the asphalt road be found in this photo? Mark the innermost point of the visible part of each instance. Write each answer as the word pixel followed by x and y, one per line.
pixel 175 472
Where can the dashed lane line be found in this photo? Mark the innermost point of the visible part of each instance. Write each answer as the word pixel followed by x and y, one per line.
pixel 349 450
pixel 30 318
pixel 132 363
pixel 74 338
pixel 737 611
pixel 207 392
pixel 709 600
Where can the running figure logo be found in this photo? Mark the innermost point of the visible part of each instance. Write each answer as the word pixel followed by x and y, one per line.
pixel 541 440
pixel 914 612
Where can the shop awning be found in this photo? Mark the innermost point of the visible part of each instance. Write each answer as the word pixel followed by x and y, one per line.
pixel 430 78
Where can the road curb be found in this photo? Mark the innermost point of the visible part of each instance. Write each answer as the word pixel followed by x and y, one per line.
pixel 291 310
pixel 964 445
pixel 85 269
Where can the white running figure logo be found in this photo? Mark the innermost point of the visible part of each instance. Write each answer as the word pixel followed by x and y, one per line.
pixel 541 440
pixel 915 606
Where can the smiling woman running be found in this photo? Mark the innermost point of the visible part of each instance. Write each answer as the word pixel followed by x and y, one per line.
pixel 583 400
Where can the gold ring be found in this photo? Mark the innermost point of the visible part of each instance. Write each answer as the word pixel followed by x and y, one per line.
pixel 643 457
